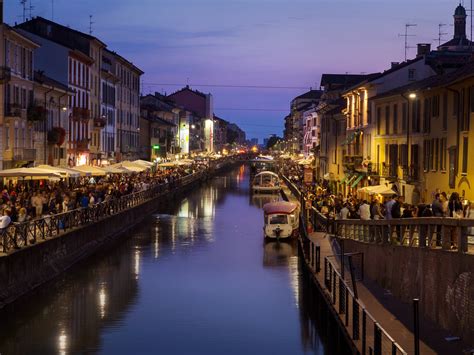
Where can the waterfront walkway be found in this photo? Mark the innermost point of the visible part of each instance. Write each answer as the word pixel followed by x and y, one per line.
pixel 394 316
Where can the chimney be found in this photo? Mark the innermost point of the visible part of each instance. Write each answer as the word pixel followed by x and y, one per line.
pixel 423 49
pixel 394 64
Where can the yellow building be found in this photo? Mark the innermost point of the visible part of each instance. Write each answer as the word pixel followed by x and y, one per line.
pixel 422 134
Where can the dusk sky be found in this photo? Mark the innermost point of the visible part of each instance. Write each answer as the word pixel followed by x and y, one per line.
pixel 287 43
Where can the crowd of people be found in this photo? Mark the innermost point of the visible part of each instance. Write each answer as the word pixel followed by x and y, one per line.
pixel 27 200
pixel 375 207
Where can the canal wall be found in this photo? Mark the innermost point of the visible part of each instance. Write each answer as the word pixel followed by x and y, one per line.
pixel 442 280
pixel 34 265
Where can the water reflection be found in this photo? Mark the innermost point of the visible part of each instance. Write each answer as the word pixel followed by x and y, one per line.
pixel 190 277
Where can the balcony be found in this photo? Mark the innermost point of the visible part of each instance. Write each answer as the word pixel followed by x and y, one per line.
pixel 13 110
pixel 411 174
pixel 5 74
pixel 79 113
pixel 100 122
pixel 352 162
pixel 24 154
pixel 82 145
pixel 36 113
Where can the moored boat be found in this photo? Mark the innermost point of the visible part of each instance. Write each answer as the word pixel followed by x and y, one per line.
pixel 266 182
pixel 281 219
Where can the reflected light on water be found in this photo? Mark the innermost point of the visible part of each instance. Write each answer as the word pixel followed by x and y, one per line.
pixel 102 301
pixel 137 264
pixel 62 343
pixel 294 278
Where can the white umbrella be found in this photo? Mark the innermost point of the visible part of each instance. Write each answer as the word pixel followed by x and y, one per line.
pixel 87 170
pixel 29 172
pixel 130 166
pixel 143 162
pixel 64 172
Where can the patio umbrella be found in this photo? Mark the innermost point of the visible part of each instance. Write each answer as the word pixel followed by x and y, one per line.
pixel 143 162
pixel 87 170
pixel 64 172
pixel 29 172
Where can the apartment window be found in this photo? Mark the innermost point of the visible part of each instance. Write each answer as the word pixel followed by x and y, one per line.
pixel 387 120
pixel 403 155
pixel 379 119
pixel 455 103
pixel 465 116
pixel 442 154
pixel 7 137
pixel 426 115
pixel 411 74
pixel 395 119
pixel 415 124
pixel 432 154
pixel 436 154
pixel 435 106
pixel 471 99
pixel 426 154
pixel 464 154
pixel 445 111
pixel 404 116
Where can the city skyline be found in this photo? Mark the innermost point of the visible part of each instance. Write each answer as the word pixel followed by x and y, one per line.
pixel 231 44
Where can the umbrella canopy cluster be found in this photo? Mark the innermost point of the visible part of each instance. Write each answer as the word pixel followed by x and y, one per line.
pixel 378 189
pixel 44 172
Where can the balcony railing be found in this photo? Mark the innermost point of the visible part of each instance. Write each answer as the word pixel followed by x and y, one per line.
pixel 24 154
pixel 100 122
pixel 352 162
pixel 79 113
pixel 13 110
pixel 82 144
pixel 5 74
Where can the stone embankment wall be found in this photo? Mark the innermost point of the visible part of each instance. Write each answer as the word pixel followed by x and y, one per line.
pixel 442 280
pixel 32 266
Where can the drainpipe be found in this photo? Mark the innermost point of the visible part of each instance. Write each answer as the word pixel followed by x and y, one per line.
pixel 44 126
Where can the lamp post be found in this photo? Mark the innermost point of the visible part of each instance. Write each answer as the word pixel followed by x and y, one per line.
pixel 411 97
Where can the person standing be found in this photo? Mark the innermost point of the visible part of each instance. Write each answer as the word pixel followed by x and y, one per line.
pixel 388 207
pixel 437 211
pixel 364 211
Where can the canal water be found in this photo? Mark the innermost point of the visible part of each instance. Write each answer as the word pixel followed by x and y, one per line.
pixel 195 278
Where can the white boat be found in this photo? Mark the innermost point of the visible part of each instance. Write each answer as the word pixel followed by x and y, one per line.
pixel 266 182
pixel 281 219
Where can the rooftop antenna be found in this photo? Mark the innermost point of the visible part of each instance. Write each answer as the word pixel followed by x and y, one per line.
pixel 30 8
pixel 23 4
pixel 406 35
pixel 471 10
pixel 441 33
pixel 52 10
pixel 90 24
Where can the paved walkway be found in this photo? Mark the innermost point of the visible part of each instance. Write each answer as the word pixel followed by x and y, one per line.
pixel 394 316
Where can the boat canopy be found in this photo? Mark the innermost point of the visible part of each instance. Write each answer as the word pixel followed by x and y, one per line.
pixel 280 207
pixel 267 173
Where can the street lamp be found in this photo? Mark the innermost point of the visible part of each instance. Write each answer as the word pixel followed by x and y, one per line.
pixel 411 97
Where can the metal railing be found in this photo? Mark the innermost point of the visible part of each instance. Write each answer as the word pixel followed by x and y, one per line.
pixel 431 232
pixel 366 333
pixel 20 235
pixel 446 233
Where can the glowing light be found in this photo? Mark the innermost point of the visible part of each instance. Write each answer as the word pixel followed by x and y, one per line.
pixel 81 160
pixel 412 96
pixel 137 264
pixel 62 342
pixel 102 302
pixel 254 149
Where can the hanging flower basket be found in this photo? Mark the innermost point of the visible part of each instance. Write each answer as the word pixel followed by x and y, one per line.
pixel 57 136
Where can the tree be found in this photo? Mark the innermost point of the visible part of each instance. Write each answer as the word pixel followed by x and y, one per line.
pixel 272 141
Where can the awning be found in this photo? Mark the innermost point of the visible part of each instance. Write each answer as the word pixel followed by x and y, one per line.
pixel 31 173
pixel 356 181
pixel 346 178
